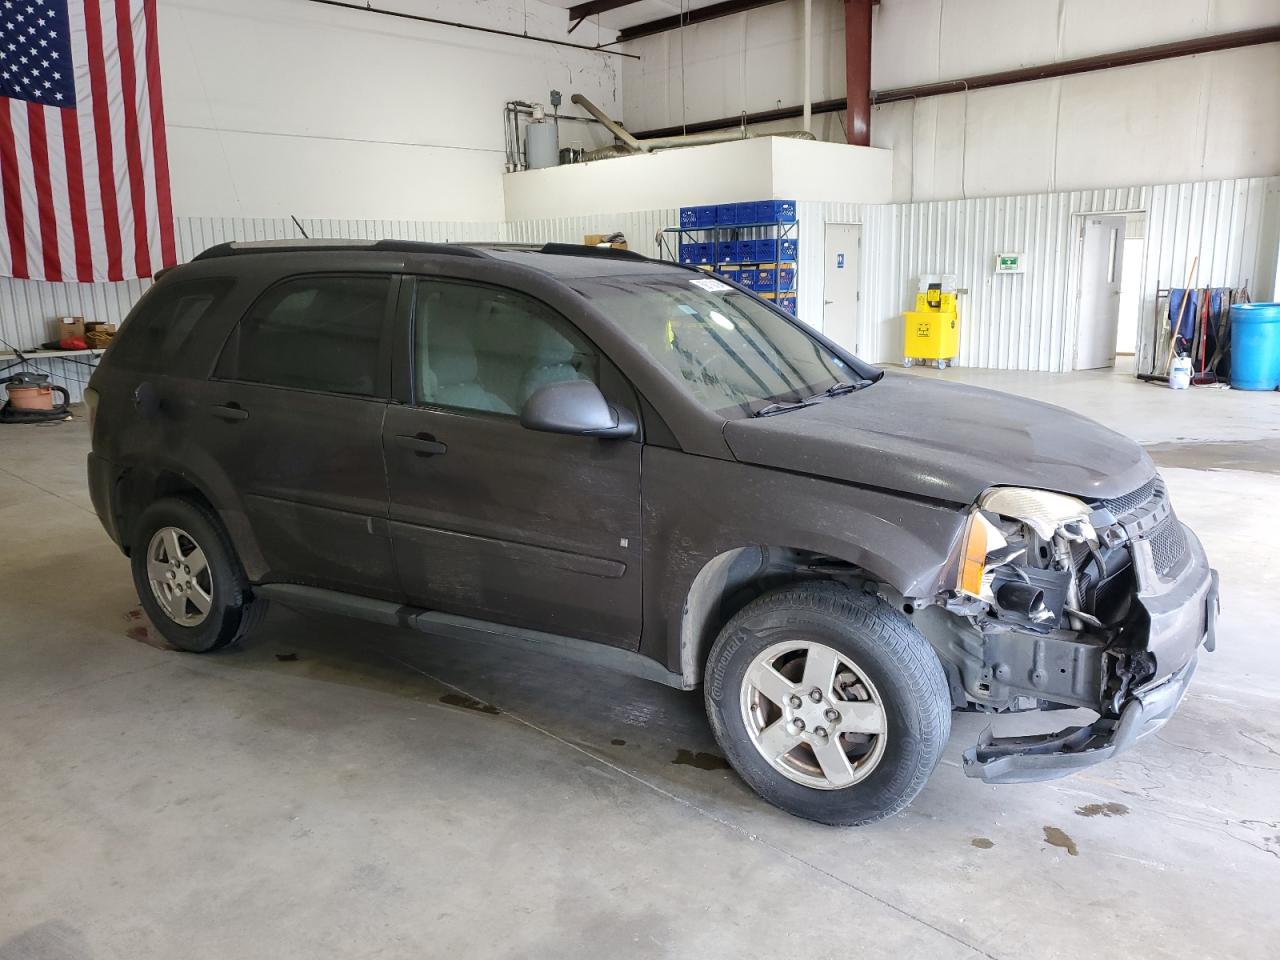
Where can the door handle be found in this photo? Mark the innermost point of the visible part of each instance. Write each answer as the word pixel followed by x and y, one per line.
pixel 424 445
pixel 231 412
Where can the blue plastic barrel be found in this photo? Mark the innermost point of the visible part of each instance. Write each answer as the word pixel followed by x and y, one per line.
pixel 1255 346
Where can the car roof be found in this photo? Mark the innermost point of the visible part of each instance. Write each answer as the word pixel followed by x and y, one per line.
pixel 561 260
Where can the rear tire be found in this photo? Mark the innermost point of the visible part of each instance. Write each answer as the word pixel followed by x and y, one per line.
pixel 848 752
pixel 188 578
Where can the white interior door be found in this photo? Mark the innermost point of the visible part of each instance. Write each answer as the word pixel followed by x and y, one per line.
pixel 1101 264
pixel 841 285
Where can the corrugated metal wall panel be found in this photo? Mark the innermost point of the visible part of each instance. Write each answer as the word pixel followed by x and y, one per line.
pixel 641 228
pixel 1021 321
pixel 1027 321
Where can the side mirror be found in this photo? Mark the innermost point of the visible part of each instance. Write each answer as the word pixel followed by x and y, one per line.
pixel 576 407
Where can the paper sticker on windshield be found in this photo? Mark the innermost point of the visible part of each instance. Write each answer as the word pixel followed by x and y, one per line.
pixel 711 286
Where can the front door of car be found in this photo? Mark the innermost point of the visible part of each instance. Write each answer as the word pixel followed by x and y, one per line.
pixel 492 520
pixel 294 415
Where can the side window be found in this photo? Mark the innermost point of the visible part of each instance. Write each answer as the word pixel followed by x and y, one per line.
pixel 313 333
pixel 485 348
pixel 163 320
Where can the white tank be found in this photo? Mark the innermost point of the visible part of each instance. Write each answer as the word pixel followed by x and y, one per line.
pixel 541 144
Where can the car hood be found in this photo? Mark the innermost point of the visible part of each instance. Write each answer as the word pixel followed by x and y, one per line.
pixel 945 441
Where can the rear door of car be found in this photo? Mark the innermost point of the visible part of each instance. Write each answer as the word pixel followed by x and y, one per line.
pixel 492 520
pixel 293 415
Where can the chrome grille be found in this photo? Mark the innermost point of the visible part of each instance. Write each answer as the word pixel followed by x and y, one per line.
pixel 1131 501
pixel 1168 545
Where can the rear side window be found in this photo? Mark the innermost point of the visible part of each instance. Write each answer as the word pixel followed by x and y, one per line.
pixel 320 333
pixel 163 320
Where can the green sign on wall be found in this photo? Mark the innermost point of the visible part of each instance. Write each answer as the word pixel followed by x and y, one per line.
pixel 1009 263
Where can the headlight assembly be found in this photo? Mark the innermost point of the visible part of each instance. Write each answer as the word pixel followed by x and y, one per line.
pixel 1024 536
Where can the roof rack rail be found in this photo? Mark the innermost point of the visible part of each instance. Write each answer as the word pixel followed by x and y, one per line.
pixel 238 247
pixel 582 250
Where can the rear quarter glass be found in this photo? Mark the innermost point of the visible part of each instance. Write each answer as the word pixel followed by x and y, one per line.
pixel 161 324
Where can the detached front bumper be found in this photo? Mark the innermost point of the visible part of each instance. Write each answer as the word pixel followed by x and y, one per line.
pixel 1183 618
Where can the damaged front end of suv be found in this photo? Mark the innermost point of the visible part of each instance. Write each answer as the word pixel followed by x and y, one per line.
pixel 1058 603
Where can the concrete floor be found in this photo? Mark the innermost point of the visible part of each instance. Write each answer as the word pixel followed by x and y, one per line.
pixel 340 790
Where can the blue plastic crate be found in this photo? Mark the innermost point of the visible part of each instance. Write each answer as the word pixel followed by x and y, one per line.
pixel 746 212
pixel 765 280
pixel 745 251
pixel 788 303
pixel 775 211
pixel 726 214
pixel 731 273
pixel 789 249
pixel 706 216
pixel 726 251
pixel 689 252
pixel 766 251
pixel 786 278
pixel 706 253
pixel 688 217
pixel 747 278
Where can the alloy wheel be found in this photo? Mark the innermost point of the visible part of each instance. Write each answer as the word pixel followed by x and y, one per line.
pixel 180 577
pixel 813 714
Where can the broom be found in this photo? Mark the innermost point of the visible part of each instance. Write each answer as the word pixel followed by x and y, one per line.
pixel 1182 310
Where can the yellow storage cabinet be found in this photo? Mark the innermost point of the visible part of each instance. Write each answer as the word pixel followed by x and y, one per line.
pixel 931 332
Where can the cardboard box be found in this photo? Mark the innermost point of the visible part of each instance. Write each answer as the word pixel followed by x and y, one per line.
pixel 68 327
pixel 102 326
pixel 597 239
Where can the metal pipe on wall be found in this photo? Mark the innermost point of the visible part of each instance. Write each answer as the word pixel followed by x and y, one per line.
pixel 635 145
pixel 807 123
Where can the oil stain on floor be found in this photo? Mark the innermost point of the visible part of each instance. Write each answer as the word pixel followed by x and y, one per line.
pixel 469 703
pixel 1057 838
pixel 703 761
pixel 983 843
pixel 1102 809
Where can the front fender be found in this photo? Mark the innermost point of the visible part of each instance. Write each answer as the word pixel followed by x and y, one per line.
pixel 697 509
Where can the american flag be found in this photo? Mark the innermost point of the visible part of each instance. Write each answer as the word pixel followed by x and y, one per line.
pixel 82 142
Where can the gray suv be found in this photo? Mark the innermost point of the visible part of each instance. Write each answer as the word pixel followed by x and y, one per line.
pixel 641 466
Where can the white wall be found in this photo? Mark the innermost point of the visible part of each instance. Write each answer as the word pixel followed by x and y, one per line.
pixel 1195 118
pixel 279 107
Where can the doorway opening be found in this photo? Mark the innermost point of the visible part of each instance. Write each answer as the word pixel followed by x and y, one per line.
pixel 842 285
pixel 1109 295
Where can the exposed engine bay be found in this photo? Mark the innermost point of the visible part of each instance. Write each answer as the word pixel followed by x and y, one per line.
pixel 1047 609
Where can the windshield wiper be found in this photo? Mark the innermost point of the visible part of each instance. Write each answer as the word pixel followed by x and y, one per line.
pixel 837 389
pixel 840 388
pixel 771 409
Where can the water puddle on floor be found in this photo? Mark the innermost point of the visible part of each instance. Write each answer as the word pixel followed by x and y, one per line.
pixel 1058 838
pixel 1102 809
pixel 468 703
pixel 703 761
pixel 1254 456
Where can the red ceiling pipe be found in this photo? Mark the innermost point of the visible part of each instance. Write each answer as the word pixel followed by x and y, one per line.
pixel 857 70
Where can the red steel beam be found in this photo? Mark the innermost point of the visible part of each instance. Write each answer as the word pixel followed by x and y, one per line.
pixel 857 70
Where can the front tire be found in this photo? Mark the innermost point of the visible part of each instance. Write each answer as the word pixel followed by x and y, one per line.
pixel 828 703
pixel 188 577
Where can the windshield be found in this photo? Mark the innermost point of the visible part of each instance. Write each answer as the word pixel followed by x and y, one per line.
pixel 735 355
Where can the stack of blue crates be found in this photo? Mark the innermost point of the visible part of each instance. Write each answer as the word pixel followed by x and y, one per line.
pixel 753 213
pixel 763 264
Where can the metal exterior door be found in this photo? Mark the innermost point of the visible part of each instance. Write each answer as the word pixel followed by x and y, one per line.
pixel 1101 260
pixel 841 284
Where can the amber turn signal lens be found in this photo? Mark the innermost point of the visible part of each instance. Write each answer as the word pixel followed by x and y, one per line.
pixel 973 561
